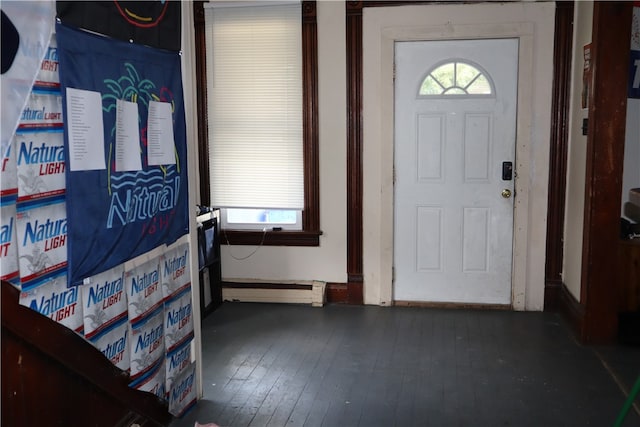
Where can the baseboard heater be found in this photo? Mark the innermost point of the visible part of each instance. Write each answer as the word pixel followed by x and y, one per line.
pixel 289 293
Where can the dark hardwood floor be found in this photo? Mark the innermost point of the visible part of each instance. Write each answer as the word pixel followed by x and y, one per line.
pixel 292 365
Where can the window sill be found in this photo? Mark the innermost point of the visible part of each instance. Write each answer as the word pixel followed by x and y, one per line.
pixel 270 238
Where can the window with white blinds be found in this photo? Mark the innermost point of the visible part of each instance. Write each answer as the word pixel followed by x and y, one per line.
pixel 254 97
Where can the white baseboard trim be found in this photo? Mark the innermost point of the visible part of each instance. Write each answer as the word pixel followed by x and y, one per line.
pixel 314 296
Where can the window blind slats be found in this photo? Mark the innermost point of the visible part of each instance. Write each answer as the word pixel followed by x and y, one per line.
pixel 254 75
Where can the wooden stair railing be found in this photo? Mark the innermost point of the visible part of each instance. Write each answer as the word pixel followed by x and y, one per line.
pixel 51 376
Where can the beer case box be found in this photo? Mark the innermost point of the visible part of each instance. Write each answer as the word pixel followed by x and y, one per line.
pixel 104 300
pixel 42 241
pixel 40 165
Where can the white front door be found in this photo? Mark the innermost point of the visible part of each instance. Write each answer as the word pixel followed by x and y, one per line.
pixel 455 127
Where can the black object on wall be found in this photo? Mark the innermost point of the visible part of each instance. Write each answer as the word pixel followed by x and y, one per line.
pixel 209 263
pixel 149 23
pixel 10 42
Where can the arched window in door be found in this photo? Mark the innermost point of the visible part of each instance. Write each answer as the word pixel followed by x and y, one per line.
pixel 456 78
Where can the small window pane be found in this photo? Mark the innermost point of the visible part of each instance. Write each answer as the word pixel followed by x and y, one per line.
pixel 430 87
pixel 261 216
pixel 465 74
pixel 480 86
pixel 455 91
pixel 261 219
pixel 444 74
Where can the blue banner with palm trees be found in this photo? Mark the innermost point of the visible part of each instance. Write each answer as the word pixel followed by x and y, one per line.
pixel 113 214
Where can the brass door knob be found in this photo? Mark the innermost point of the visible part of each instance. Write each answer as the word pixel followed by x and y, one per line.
pixel 506 193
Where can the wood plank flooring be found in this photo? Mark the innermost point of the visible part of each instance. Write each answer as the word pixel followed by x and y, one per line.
pixel 292 365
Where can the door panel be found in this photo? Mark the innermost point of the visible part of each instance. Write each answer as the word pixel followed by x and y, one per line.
pixel 453 230
pixel 477 147
pixel 430 147
pixel 429 251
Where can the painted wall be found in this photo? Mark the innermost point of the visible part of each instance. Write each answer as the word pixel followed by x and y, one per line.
pixel 577 154
pixel 533 24
pixel 328 262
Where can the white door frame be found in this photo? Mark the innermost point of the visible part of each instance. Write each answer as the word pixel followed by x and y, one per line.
pixel 378 266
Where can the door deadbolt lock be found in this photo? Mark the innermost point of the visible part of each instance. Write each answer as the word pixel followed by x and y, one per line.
pixel 507 171
pixel 506 193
